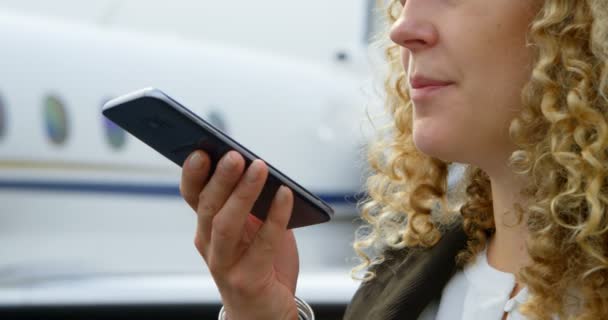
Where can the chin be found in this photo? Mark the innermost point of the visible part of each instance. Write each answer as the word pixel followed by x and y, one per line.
pixel 434 144
pixel 431 151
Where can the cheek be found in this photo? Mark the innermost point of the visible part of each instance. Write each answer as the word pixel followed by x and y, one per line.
pixel 496 74
pixel 496 100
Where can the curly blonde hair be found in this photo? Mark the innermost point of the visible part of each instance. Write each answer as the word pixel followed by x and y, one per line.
pixel 561 136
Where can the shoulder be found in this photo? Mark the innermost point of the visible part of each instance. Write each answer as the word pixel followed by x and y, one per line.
pixel 407 280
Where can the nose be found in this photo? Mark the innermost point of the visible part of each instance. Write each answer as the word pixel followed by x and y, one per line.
pixel 413 30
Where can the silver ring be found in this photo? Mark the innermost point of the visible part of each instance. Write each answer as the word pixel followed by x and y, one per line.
pixel 304 311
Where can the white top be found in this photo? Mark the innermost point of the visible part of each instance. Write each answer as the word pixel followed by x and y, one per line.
pixel 479 291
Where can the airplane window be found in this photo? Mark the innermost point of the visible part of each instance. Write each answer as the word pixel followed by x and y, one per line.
pixel 2 119
pixel 56 120
pixel 115 135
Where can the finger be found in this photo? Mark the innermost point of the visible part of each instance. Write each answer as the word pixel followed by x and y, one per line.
pixel 229 223
pixel 194 177
pixel 270 236
pixel 215 194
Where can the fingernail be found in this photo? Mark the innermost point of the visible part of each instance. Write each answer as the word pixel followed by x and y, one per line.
pixel 196 161
pixel 283 194
pixel 229 161
pixel 253 172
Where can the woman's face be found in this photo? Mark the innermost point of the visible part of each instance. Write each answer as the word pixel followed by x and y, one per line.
pixel 467 62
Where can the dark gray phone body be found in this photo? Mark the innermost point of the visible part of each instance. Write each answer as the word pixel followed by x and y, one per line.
pixel 173 130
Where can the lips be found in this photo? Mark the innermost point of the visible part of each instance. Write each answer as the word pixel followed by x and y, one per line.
pixel 418 82
pixel 423 88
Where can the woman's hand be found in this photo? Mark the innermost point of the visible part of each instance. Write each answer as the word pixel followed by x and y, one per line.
pixel 253 263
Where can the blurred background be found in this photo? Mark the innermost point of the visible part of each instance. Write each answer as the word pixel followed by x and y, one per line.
pixel 92 224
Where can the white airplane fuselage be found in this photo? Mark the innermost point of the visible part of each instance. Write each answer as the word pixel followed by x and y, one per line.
pixel 300 117
pixel 80 196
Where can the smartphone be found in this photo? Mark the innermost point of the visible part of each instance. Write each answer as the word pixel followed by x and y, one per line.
pixel 173 130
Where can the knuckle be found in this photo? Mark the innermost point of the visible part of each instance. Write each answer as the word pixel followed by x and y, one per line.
pixel 209 209
pixel 199 244
pixel 202 197
pixel 220 230
pixel 244 194
pixel 207 204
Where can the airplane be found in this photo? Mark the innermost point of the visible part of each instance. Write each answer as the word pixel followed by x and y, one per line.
pixel 92 219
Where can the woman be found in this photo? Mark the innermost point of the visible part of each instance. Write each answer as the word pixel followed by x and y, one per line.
pixel 515 89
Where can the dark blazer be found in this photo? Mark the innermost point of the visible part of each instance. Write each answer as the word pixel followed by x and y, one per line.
pixel 408 281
